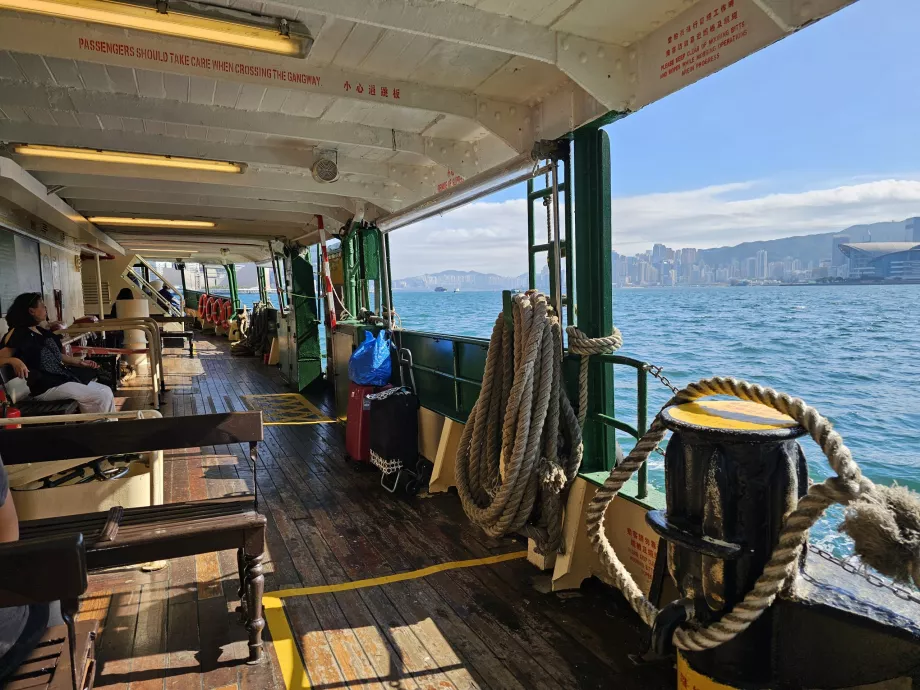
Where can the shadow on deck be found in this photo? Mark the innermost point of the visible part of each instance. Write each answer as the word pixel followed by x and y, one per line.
pixel 330 522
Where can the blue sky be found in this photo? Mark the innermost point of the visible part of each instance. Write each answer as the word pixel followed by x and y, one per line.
pixel 814 133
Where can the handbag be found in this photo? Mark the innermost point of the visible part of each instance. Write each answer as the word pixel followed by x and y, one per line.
pixel 17 389
pixel 85 374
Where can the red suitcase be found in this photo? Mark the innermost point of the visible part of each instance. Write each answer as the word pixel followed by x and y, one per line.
pixel 358 423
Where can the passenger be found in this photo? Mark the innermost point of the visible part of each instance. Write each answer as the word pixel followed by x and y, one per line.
pixel 36 354
pixel 21 627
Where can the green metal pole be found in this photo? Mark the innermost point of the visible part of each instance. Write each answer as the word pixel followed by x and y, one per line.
pixel 234 287
pixel 569 249
pixel 593 283
pixel 531 239
pixel 642 424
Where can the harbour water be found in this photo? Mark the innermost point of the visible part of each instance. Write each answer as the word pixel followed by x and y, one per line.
pixel 850 351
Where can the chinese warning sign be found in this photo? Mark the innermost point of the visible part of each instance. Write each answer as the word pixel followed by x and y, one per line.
pixel 452 181
pixel 641 553
pixel 699 43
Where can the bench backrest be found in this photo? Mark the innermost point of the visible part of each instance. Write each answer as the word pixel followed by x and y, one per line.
pixel 37 571
pixel 46 443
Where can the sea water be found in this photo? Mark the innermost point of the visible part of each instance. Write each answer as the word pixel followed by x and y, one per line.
pixel 849 351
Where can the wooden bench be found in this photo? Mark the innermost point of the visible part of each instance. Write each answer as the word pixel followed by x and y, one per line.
pixel 39 571
pixel 122 537
pixel 37 408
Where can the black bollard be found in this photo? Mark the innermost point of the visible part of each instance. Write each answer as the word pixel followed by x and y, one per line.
pixel 733 472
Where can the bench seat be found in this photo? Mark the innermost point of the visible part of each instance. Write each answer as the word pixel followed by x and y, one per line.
pixel 48 666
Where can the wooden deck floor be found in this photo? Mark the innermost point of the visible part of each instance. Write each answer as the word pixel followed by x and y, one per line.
pixel 329 522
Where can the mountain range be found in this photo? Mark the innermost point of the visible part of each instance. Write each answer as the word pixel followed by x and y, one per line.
pixel 806 248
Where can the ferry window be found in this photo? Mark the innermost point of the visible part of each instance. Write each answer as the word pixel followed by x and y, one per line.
pixel 20 267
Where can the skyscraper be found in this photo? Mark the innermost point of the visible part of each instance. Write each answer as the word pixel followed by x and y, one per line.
pixel 763 266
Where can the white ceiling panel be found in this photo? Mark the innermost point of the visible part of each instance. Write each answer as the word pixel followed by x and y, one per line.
pixel 150 84
pixel 34 67
pixel 357 45
pixel 177 86
pixel 366 113
pixel 201 90
pixel 94 76
pixel 226 94
pixel 111 122
pixel 9 69
pixel 14 112
pixel 452 127
pixel 593 19
pixel 154 127
pixel 63 118
pixel 132 124
pixel 65 72
pixel 463 67
pixel 122 79
pixel 522 80
pixel 250 96
pixel 328 41
pixel 397 54
pixel 273 99
pixel 40 116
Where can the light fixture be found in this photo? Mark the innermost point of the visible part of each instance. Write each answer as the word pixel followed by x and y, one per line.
pixel 150 222
pixel 183 20
pixel 69 153
pixel 174 252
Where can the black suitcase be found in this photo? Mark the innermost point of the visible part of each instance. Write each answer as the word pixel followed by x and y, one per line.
pixel 394 436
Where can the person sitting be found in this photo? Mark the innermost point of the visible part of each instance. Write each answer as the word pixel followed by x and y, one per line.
pixel 21 627
pixel 36 354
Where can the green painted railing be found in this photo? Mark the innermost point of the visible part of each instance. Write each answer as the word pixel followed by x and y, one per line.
pixel 448 373
pixel 641 427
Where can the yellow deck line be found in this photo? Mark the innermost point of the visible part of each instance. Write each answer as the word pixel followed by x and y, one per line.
pixel 398 577
pixel 292 669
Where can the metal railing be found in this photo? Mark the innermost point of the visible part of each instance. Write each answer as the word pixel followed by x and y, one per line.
pixel 457 406
pixel 638 431
pixel 149 292
pixel 176 291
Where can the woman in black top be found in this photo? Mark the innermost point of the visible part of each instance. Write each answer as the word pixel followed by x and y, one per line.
pixel 36 354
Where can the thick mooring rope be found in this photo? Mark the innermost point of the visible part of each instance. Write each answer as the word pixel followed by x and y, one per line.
pixel 884 522
pixel 521 447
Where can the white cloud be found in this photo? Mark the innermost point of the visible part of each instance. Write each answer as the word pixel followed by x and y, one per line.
pixel 492 237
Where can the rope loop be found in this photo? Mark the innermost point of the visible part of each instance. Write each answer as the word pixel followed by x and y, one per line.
pixel 884 522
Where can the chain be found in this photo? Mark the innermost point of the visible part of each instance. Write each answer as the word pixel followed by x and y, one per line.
pixel 871 578
pixel 658 373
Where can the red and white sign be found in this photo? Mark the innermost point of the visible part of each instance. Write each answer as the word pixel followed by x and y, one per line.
pixel 702 40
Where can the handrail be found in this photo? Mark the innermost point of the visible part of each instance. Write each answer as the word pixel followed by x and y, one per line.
pixel 166 282
pixel 641 427
pixel 149 292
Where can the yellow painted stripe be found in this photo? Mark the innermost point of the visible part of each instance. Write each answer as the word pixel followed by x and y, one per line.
pixel 292 669
pixel 398 577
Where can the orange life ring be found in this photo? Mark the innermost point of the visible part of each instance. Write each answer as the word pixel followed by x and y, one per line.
pixel 213 309
pixel 202 306
pixel 226 313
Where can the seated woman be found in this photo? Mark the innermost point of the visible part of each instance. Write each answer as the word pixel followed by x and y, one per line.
pixel 36 354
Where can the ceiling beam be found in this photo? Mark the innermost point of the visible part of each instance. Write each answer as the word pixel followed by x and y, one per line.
pixel 194 204
pixel 601 69
pixel 385 196
pixel 75 40
pixel 289 214
pixel 456 155
pixel 411 177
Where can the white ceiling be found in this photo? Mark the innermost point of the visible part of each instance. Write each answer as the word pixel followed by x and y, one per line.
pixel 468 84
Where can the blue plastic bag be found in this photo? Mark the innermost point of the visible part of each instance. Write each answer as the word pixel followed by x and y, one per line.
pixel 370 365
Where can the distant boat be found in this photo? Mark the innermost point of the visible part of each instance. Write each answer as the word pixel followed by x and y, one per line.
pixel 440 289
pixel 456 289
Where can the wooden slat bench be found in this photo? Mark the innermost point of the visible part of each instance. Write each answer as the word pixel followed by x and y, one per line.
pixel 37 408
pixel 122 537
pixel 39 571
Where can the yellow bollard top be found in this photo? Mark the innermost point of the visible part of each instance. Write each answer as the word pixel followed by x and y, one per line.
pixel 730 415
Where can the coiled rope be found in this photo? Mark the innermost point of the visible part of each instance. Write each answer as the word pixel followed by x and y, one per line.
pixel 522 446
pixel 884 522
